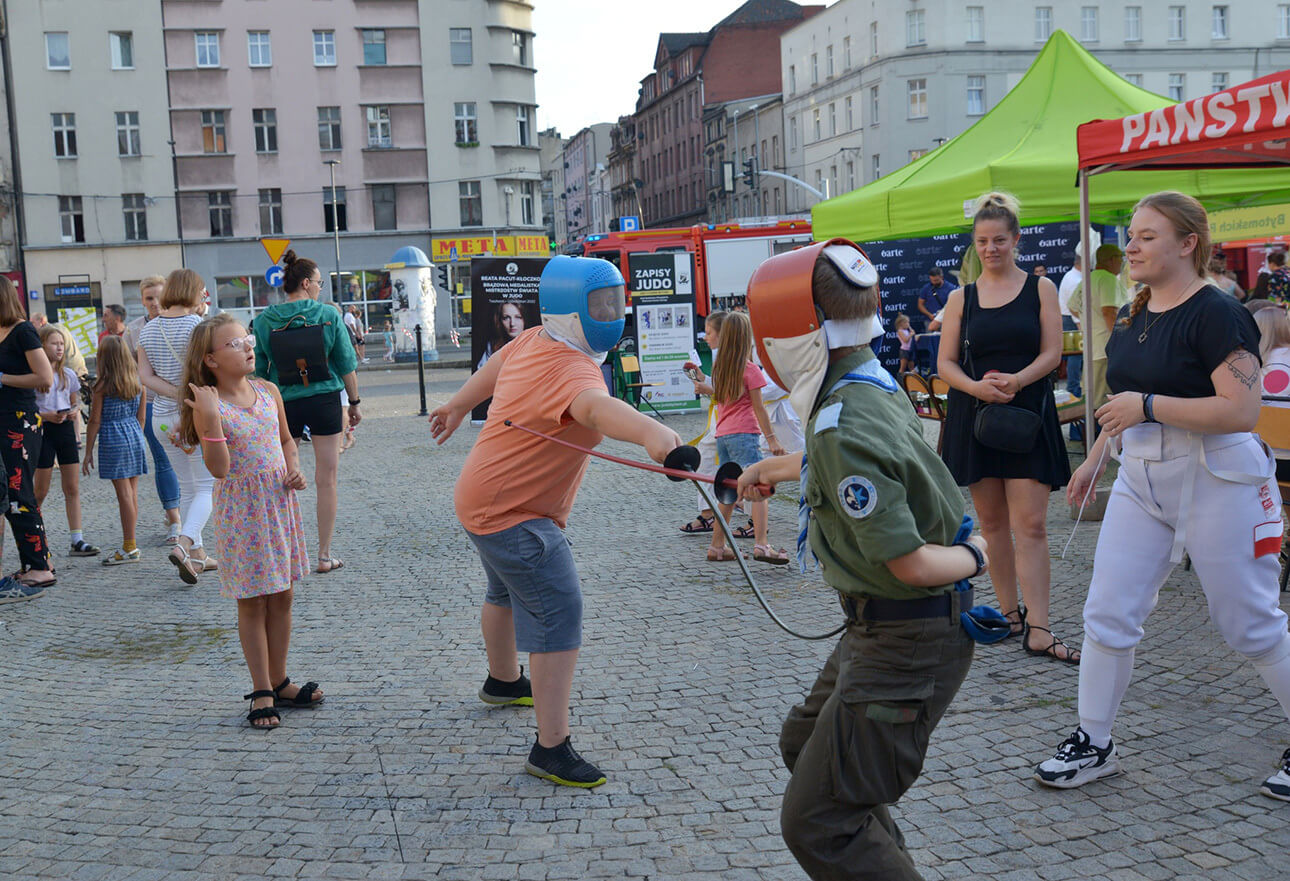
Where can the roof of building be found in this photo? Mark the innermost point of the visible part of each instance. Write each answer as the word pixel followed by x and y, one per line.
pixel 763 12
pixel 677 43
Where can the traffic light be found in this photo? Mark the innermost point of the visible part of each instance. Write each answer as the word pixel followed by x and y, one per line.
pixel 441 276
pixel 750 172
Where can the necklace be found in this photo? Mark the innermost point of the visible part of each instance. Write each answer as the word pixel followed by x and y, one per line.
pixel 1142 337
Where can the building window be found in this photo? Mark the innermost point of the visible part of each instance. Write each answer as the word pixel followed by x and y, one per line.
pixel 1218 81
pixel 259 49
pixel 792 79
pixel 373 46
pixel 523 137
pixel 774 152
pixel 265 123
pixel 1088 24
pixel 1283 21
pixel 815 69
pixel 851 123
pixel 1133 24
pixel 851 176
pixel 219 205
pixel 213 131
pixel 207 48
pixel 58 53
pixel 846 52
pixel 975 95
pixel 527 216
pixel 471 203
pixel 1043 23
pixel 976 24
pixel 873 40
pixel 1134 78
pixel 271 212
pixel 877 167
pixel 873 105
pixel 463 113
pixel 1177 86
pixel 918 99
pixel 1220 23
pixel 334 210
pixel 1177 22
pixel 520 48
pixel 792 132
pixel 828 62
pixel 384 213
pixel 378 127
pixel 815 123
pixel 136 217
pixel 128 140
pixel 833 119
pixel 460 48
pixel 328 128
pixel 916 27
pixel 121 44
pixel 64 134
pixel 324 48
pixel 71 218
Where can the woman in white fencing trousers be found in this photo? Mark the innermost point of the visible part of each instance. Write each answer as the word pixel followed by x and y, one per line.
pixel 1183 369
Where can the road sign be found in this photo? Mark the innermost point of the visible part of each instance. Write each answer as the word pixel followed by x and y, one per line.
pixel 629 224
pixel 274 276
pixel 452 254
pixel 275 248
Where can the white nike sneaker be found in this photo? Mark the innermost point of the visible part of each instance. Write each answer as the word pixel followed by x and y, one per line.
pixel 1078 762
pixel 1278 785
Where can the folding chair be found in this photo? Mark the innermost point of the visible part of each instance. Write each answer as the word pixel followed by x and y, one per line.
pixel 926 404
pixel 1274 427
pixel 1072 413
pixel 631 367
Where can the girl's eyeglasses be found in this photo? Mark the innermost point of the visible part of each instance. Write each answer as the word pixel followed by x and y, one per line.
pixel 241 344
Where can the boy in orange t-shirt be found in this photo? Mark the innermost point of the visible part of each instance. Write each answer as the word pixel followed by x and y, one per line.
pixel 516 490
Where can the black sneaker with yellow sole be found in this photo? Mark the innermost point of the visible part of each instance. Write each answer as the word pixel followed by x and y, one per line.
pixel 562 764
pixel 500 694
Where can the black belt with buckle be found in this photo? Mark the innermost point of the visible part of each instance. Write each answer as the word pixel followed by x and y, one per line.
pixel 944 605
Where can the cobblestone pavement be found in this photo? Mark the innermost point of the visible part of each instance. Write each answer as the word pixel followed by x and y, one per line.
pixel 125 754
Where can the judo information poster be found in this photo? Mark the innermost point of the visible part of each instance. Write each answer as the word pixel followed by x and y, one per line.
pixel 662 297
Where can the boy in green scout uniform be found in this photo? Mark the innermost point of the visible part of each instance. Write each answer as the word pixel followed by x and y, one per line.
pixel 886 522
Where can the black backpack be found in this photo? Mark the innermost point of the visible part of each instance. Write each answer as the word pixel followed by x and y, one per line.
pixel 300 352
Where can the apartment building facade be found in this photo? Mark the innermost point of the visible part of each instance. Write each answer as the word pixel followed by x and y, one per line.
pixel 868 87
pixel 551 167
pixel 586 192
pixel 97 201
pixel 735 132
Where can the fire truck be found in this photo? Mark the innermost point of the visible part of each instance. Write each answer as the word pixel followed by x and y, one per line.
pixel 723 255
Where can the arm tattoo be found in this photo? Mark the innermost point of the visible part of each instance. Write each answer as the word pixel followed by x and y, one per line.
pixel 1245 367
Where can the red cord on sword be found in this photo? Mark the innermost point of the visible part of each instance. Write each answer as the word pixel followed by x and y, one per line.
pixel 679 465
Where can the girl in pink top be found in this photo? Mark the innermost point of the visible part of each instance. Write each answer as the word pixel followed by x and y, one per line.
pixel 741 420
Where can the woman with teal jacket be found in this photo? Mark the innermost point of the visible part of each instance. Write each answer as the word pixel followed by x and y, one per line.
pixel 301 345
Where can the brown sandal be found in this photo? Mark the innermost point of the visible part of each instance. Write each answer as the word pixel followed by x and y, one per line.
pixel 725 555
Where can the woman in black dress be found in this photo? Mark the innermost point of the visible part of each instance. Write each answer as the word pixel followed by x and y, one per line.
pixel 1000 343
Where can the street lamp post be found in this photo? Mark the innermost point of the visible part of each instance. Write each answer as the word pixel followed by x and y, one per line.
pixel 179 220
pixel 335 224
pixel 757 197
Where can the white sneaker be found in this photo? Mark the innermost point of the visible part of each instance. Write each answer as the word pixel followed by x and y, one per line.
pixel 367 360
pixel 121 557
pixel 1278 785
pixel 1078 762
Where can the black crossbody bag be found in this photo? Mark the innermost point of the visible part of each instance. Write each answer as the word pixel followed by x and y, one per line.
pixel 1002 427
pixel 300 352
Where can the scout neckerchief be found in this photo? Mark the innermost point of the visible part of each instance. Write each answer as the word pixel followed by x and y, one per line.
pixel 870 372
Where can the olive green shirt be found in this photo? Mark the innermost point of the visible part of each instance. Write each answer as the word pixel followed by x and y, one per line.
pixel 877 490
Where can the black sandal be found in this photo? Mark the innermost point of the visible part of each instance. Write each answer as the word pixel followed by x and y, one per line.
pixel 704 529
pixel 1020 623
pixel 745 531
pixel 268 712
pixel 304 697
pixel 1072 655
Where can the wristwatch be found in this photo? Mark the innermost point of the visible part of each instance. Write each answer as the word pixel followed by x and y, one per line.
pixel 976 555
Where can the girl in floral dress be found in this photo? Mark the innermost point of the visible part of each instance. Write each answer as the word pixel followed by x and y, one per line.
pixel 241 425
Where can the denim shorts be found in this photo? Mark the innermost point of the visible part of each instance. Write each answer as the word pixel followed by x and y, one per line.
pixel 530 571
pixel 744 449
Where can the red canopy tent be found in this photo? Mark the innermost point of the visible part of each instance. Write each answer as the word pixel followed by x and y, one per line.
pixel 1241 127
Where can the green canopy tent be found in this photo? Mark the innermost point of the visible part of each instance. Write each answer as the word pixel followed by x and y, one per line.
pixel 1026 146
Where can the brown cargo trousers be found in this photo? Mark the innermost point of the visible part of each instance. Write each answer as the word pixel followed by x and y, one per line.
pixel 858 742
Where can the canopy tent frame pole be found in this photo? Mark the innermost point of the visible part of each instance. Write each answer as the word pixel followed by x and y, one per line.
pixel 1086 289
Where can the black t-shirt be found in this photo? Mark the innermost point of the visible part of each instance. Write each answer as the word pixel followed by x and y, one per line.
pixel 13 359
pixel 1182 348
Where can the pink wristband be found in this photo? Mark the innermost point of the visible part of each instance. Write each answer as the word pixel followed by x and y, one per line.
pixel 215 440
